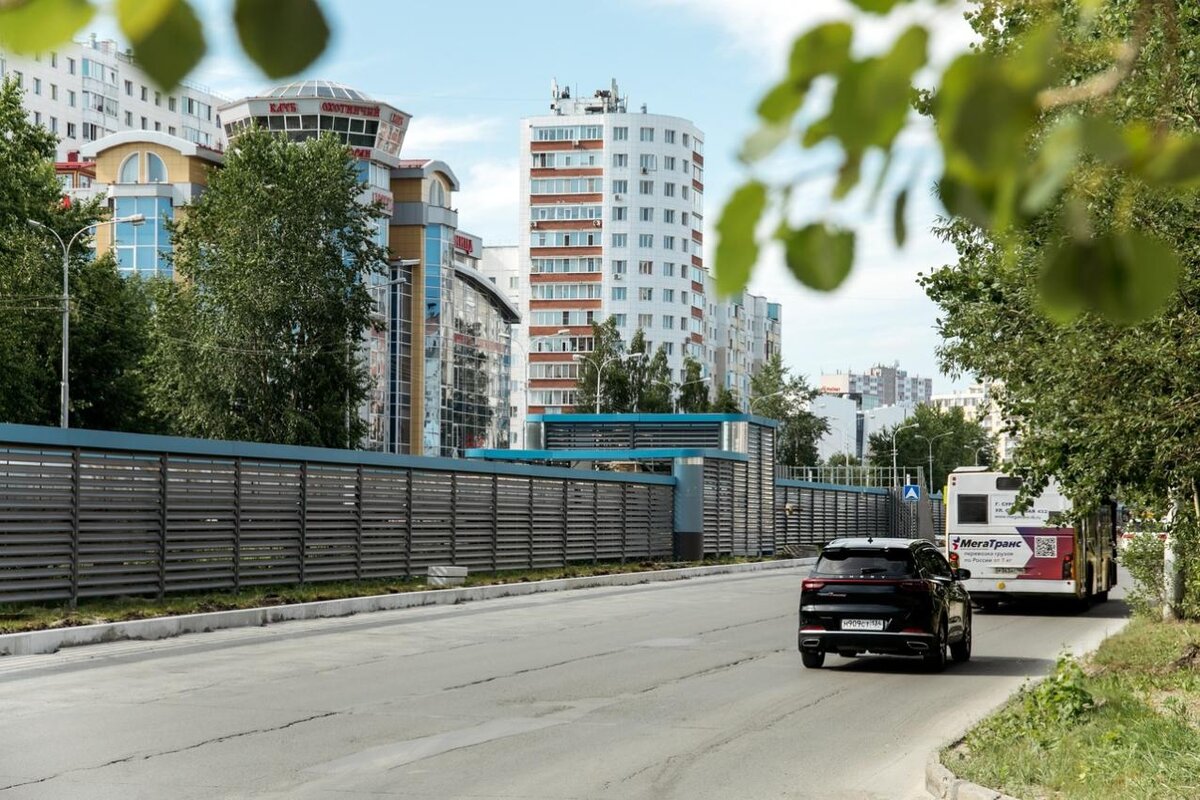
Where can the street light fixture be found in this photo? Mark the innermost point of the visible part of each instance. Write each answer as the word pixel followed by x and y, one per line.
pixel 978 450
pixel 673 386
pixel 930 440
pixel 65 400
pixel 605 363
pixel 895 472
pixel 754 400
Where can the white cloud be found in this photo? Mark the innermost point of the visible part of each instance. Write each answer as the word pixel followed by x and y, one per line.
pixel 429 134
pixel 765 29
pixel 487 201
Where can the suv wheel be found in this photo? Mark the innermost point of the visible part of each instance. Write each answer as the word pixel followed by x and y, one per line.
pixel 960 651
pixel 935 659
pixel 813 659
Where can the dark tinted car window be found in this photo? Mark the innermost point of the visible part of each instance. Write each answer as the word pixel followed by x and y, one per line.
pixel 972 509
pixel 934 563
pixel 871 563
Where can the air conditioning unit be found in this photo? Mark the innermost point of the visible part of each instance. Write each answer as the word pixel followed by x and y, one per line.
pixel 575 143
pixel 617 276
pixel 618 197
pixel 595 223
pixel 645 171
pixel 533 223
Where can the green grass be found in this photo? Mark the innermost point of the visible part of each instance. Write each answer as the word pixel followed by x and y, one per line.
pixel 1125 724
pixel 31 617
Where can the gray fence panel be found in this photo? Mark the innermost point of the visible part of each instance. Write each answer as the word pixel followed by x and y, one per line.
pixel 811 515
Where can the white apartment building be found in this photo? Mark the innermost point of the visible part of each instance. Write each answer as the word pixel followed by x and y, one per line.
pixel 978 404
pixel 881 385
pixel 84 91
pixel 612 209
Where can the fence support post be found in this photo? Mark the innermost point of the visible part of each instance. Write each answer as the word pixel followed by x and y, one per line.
pixel 358 523
pixel 75 497
pixel 408 525
pixel 453 518
pixel 496 520
pixel 303 519
pixel 237 524
pixel 162 525
pixel 625 520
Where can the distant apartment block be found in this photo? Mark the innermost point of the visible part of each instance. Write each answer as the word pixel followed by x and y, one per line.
pixel 84 91
pixel 879 386
pixel 978 403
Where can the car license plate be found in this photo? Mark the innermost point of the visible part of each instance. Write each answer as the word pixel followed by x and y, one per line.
pixel 862 624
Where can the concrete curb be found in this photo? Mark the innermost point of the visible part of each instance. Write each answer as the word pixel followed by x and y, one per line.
pixel 49 641
pixel 945 785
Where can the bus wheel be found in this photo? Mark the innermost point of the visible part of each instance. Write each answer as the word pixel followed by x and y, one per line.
pixel 1102 597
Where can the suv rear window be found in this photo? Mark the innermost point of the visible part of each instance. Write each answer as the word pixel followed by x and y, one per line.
pixel 870 562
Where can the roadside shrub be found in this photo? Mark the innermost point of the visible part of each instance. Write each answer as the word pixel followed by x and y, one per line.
pixel 1042 712
pixel 1143 557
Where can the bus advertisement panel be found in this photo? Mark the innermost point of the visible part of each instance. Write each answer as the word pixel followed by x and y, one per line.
pixel 1033 553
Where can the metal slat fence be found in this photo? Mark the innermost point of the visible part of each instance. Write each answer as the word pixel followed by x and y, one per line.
pixel 813 514
pixel 108 520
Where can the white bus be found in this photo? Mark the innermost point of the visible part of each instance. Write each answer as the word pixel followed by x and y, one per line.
pixel 1045 550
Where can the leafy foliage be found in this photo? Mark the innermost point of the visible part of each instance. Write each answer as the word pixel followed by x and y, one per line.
pixel 693 390
pixel 953 439
pixel 283 37
pixel 633 379
pixel 776 393
pixel 1062 99
pixel 108 314
pixel 261 338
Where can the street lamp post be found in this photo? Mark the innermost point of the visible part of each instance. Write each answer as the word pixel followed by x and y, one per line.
pixel 930 440
pixel 673 386
pixel 605 363
pixel 895 472
pixel 65 399
pixel 754 400
pixel 977 450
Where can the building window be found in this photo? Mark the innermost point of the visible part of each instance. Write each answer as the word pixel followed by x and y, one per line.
pixel 129 119
pixel 54 91
pixel 71 98
pixel 620 320
pixel 53 59
pixel 158 127
pixel 647 134
pixel 620 240
pixel 668 190
pixel 156 170
pixel 669 270
pixel 620 134
pixel 669 215
pixel 54 124
pixel 645 187
pixel 619 213
pixel 171 130
pixel 669 242
pixel 158 98
pixel 620 159
pixel 37 118
pixel 129 170
pixel 619 293
pixel 620 187
pixel 129 88
pixel 648 161
pixel 668 295
pixel 646 321
pixel 646 267
pixel 145 124
pixel 145 94
pixel 71 65
pixel 645 240
pixel 647 214
pixel 686 141
pixel 683 217
pixel 20 78
pixel 70 130
pixel 669 163
pixel 669 137
pixel 170 103
pixel 37 85
pixel 668 322
pixel 142 249
pixel 685 191
pixel 619 267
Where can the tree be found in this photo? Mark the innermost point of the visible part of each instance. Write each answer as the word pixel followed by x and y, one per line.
pixel 649 377
pixel 603 363
pixel 1022 123
pixel 261 339
pixel 776 393
pixel 108 314
pixel 693 391
pixel 953 438
pixel 726 402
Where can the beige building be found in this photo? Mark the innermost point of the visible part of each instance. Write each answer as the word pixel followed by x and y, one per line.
pixel 979 405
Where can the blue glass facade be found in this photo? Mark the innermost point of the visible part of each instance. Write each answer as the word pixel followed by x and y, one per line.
pixel 143 249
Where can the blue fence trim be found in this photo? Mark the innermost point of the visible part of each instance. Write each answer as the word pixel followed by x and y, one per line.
pixel 41 436
pixel 833 486
pixel 645 454
pixel 676 419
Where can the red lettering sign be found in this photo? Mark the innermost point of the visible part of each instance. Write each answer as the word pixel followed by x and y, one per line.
pixel 350 108
pixel 361 152
pixel 283 108
pixel 398 120
pixel 385 199
pixel 464 244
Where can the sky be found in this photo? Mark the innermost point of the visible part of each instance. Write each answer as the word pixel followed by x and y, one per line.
pixel 469 71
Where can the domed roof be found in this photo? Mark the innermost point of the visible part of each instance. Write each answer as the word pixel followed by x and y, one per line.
pixel 330 89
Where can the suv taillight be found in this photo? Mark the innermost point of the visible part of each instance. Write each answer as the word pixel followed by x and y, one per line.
pixel 914 586
pixel 812 586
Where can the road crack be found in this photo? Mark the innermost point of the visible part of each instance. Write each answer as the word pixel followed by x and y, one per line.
pixel 527 670
pixel 147 756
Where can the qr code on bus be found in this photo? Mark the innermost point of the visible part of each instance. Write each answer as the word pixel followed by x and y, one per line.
pixel 1045 547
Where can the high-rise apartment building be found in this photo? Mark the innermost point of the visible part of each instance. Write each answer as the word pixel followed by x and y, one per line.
pixel 742 333
pixel 612 209
pixel 84 91
pixel 978 404
pixel 881 385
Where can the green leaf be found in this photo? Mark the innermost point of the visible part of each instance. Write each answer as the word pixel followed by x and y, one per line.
pixel 964 200
pixel 899 228
pixel 877 6
pixel 1056 160
pixel 166 35
pixel 1125 277
pixel 819 256
pixel 874 96
pixel 848 175
pixel 282 36
pixel 35 26
pixel 763 142
pixel 737 249
pixel 983 119
pixel 825 48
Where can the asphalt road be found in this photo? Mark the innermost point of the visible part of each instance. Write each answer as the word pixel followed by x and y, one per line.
pixel 686 690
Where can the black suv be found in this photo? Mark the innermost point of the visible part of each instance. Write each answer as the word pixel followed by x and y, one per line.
pixel 890 596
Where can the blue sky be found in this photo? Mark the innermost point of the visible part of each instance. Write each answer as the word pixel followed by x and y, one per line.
pixel 469 70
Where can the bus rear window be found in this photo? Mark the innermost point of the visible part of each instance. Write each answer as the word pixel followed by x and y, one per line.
pixel 972 509
pixel 1009 484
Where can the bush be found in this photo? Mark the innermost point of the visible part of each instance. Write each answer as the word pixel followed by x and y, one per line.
pixel 1143 557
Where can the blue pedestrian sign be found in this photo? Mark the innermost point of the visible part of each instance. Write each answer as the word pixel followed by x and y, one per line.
pixel 912 492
